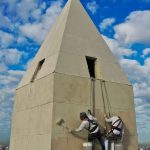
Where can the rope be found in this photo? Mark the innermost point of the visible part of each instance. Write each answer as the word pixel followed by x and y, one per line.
pixel 92 95
pixel 108 102
pixel 103 84
pixel 101 81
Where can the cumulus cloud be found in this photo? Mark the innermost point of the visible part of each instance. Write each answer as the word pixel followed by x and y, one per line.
pixel 22 9
pixel 138 74
pixel 38 30
pixel 107 22
pixel 25 20
pixel 136 71
pixel 135 29
pixel 8 82
pixel 3 67
pixel 11 56
pixel 6 21
pixel 118 50
pixel 92 6
pixel 146 52
pixel 5 39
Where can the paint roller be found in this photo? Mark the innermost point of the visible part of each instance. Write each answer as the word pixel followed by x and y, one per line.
pixel 61 122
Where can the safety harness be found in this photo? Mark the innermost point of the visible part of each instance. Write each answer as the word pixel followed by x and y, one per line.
pixel 117 127
pixel 95 125
pixel 110 135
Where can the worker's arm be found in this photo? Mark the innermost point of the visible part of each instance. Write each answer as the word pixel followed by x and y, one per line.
pixel 81 127
pixel 107 119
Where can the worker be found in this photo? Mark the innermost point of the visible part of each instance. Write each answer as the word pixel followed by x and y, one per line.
pixel 115 132
pixel 89 123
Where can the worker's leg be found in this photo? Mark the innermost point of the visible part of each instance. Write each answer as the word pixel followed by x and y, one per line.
pixel 112 145
pixel 101 140
pixel 91 138
pixel 106 144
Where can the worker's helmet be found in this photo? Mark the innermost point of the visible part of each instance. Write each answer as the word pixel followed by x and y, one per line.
pixel 83 115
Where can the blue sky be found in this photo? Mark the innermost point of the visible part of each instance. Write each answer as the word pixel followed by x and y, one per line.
pixel 124 24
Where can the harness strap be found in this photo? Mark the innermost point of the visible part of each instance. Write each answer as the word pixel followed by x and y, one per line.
pixel 116 127
pixel 92 130
pixel 93 123
pixel 116 121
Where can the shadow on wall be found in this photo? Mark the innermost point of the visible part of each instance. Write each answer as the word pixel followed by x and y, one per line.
pixel 82 136
pixel 126 138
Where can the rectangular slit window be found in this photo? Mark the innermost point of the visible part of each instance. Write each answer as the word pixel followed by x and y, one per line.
pixel 38 68
pixel 91 62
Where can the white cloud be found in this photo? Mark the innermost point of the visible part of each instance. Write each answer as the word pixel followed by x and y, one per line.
pixel 135 29
pixel 38 30
pixel 5 20
pixel 107 22
pixel 10 56
pixel 146 52
pixel 118 50
pixel 21 40
pixel 36 13
pixel 138 102
pixel 3 67
pixel 8 82
pixel 24 9
pixel 5 39
pixel 2 115
pixel 142 90
pixel 140 75
pixel 92 6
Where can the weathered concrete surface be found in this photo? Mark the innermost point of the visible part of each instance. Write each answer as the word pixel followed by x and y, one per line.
pixel 62 87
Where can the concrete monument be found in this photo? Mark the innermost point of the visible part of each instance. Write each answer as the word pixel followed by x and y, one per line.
pixel 58 84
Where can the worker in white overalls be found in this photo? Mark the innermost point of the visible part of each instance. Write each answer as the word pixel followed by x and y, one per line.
pixel 90 123
pixel 115 132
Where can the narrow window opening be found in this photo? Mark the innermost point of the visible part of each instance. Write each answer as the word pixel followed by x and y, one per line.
pixel 38 68
pixel 91 66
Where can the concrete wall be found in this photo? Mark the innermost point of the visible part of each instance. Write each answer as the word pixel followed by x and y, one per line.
pixel 72 95
pixel 32 117
pixel 39 105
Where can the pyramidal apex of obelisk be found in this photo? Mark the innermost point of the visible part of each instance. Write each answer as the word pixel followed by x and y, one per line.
pixel 73 36
pixel 73 71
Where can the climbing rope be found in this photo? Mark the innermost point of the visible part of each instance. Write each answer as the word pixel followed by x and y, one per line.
pixel 108 101
pixel 91 87
pixel 92 95
pixel 104 91
pixel 101 84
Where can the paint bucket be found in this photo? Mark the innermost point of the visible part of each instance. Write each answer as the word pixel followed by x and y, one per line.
pixel 87 146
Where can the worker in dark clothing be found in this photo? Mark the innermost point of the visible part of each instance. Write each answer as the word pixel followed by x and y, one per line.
pixel 90 123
